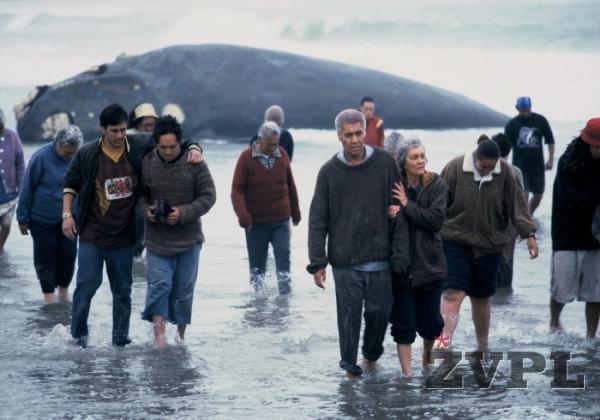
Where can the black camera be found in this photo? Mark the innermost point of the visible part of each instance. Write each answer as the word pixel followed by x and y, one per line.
pixel 161 210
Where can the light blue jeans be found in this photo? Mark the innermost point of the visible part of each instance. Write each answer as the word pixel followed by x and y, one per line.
pixel 171 282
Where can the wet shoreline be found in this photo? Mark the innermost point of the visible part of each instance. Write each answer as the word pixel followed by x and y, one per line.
pixel 267 356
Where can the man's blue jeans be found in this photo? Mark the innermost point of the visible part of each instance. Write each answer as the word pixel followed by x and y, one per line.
pixel 257 242
pixel 171 282
pixel 89 278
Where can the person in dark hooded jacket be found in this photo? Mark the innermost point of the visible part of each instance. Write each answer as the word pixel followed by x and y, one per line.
pixel 575 250
pixel 422 196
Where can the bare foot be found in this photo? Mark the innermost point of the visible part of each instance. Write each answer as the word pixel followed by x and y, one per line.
pixel 49 298
pixel 160 341
pixel 556 328
pixel 368 365
pixel 352 376
pixel 179 339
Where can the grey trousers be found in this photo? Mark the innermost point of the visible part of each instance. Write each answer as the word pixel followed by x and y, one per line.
pixel 352 288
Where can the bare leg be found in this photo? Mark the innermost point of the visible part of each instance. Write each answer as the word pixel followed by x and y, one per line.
pixel 481 309
pixel 159 331
pixel 4 232
pixel 427 346
pixel 49 298
pixel 592 314
pixel 534 203
pixel 180 337
pixel 405 356
pixel 63 294
pixel 451 301
pixel 555 310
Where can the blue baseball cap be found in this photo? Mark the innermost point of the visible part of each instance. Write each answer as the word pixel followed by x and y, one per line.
pixel 523 102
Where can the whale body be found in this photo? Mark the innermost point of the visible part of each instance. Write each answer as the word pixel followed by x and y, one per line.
pixel 221 91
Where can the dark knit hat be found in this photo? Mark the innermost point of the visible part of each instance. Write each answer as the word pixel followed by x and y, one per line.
pixel 591 133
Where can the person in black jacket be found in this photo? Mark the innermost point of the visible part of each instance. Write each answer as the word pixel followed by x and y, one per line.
pixel 417 293
pixel 525 132
pixel 575 250
pixel 348 229
pixel 104 177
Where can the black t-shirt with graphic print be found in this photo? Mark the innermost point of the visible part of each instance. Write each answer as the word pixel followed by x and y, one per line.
pixel 112 206
pixel 525 135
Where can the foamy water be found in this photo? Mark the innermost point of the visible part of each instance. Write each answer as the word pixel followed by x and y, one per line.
pixel 266 356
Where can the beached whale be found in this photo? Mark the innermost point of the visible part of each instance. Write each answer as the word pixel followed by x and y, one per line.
pixel 223 91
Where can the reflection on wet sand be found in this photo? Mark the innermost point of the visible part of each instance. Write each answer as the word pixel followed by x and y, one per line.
pixel 48 316
pixel 263 311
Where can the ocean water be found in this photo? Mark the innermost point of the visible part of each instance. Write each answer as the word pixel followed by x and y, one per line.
pixel 264 356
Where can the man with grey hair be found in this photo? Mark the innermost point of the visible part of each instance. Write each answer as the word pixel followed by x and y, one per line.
pixel 349 230
pixel 40 212
pixel 275 114
pixel 264 199
pixel 12 168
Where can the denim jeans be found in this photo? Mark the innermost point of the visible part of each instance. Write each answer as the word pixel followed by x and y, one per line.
pixel 171 282
pixel 89 278
pixel 257 242
pixel 354 288
pixel 53 256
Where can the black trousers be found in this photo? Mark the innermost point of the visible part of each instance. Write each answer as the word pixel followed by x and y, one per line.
pixel 53 256
pixel 353 289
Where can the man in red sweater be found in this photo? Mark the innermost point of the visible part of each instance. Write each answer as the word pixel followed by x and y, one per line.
pixel 264 199
pixel 374 133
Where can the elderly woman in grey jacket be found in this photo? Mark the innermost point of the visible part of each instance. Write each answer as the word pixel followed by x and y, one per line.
pixel 422 196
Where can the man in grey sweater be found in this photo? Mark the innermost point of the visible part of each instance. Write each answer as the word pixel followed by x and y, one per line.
pixel 348 216
pixel 175 196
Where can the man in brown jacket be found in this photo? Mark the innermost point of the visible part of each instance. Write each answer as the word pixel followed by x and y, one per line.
pixel 483 196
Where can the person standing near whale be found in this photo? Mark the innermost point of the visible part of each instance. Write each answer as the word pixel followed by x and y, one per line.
pixel 104 177
pixel 12 169
pixel 275 114
pixel 484 196
pixel 264 198
pixel 142 120
pixel 374 135
pixel 575 271
pixel 526 132
pixel 174 197
pixel 39 213
pixel 349 230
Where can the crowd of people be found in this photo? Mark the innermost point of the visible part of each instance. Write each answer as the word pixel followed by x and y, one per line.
pixel 405 245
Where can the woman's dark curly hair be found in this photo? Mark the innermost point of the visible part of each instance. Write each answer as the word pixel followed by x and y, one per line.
pixel 167 124
pixel 576 156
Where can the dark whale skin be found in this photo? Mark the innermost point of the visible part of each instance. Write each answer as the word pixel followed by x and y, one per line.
pixel 223 91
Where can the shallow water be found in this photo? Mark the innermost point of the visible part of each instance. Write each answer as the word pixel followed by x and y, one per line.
pixel 267 356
